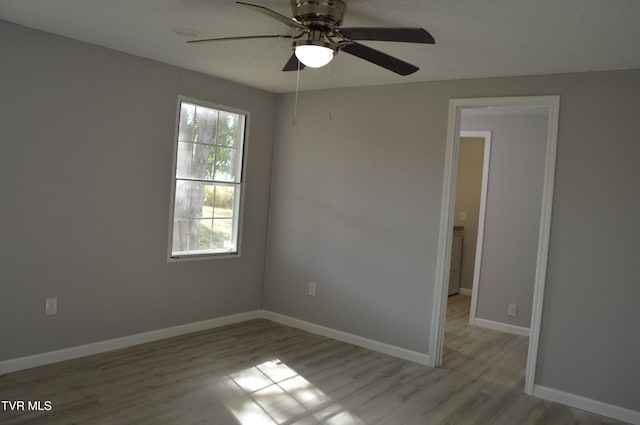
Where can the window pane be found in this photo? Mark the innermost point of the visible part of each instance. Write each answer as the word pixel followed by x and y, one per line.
pixel 180 235
pixel 185 157
pixel 195 161
pixel 187 122
pixel 226 165
pixel 186 235
pixel 224 201
pixel 193 200
pixel 197 200
pixel 229 129
pixel 205 235
pixel 192 235
pixel 202 162
pixel 182 201
pixel 206 124
pixel 222 233
pixel 207 203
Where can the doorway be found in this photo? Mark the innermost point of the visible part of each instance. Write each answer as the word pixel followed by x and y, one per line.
pixel 472 177
pixel 470 207
pixel 456 106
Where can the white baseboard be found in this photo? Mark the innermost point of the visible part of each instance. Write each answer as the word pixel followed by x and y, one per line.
pixel 465 291
pixel 370 344
pixel 27 362
pixel 502 327
pixel 49 357
pixel 589 405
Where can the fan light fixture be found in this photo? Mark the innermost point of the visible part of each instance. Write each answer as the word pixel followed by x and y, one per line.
pixel 314 55
pixel 319 36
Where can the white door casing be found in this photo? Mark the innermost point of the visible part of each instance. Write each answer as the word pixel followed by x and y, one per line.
pixel 552 103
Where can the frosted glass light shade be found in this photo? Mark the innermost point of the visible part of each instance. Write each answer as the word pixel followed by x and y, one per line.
pixel 314 56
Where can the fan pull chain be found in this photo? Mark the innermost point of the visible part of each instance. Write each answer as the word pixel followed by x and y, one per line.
pixel 294 121
pixel 330 93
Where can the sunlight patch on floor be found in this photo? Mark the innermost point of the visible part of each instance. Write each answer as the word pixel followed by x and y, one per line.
pixel 272 393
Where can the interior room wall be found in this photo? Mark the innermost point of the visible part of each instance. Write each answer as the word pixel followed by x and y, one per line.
pixel 512 222
pixel 349 213
pixel 85 178
pixel 468 191
pixel 355 206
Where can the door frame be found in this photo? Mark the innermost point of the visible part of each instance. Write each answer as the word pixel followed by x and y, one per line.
pixel 486 135
pixel 439 310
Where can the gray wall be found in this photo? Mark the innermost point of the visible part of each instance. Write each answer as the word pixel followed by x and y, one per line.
pixel 356 207
pixel 512 223
pixel 85 177
pixel 468 191
pixel 349 208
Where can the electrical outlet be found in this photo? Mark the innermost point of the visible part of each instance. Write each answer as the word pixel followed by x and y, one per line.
pixel 50 306
pixel 463 215
pixel 512 310
pixel 312 289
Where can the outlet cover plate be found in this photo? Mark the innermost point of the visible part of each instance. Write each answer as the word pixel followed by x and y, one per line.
pixel 50 306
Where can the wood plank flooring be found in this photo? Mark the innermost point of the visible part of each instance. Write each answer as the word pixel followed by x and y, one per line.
pixel 260 372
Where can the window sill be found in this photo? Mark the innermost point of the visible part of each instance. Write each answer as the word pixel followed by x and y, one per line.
pixel 206 256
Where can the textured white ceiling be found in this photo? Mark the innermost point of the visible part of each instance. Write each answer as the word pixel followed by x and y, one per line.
pixel 474 38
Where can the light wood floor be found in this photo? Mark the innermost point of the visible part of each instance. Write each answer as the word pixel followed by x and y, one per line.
pixel 260 372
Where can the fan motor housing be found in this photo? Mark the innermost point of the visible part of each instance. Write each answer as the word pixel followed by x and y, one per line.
pixel 319 13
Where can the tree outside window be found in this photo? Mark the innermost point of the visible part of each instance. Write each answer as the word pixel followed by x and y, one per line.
pixel 208 180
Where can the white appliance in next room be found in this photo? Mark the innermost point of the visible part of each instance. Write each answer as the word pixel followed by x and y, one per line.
pixel 456 260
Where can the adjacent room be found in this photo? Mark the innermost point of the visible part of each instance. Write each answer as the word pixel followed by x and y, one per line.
pixel 429 220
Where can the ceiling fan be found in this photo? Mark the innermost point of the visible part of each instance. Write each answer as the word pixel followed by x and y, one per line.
pixel 320 36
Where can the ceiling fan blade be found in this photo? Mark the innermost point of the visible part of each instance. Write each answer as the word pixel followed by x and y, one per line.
pixel 292 64
pixel 406 35
pixel 244 37
pixel 275 15
pixel 380 59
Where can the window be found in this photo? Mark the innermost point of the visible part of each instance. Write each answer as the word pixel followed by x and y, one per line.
pixel 208 181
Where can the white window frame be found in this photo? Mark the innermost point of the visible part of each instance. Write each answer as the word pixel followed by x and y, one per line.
pixel 239 200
